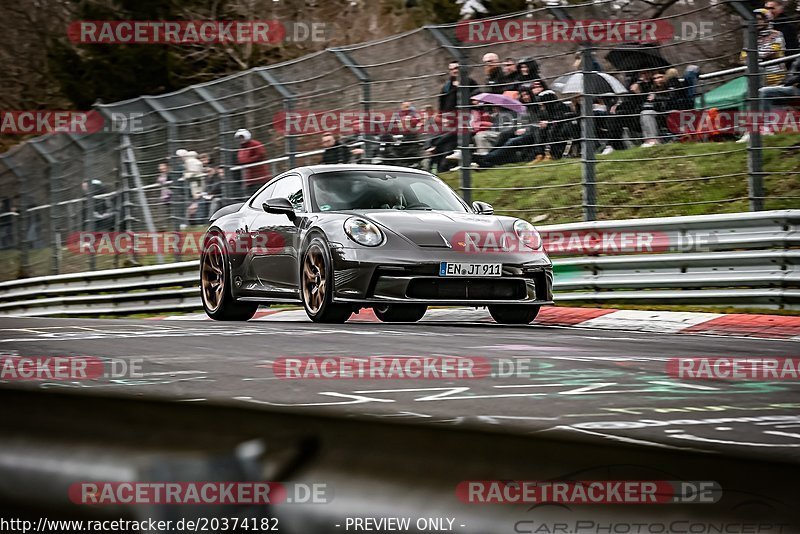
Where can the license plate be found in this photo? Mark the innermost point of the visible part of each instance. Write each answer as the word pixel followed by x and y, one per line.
pixel 470 269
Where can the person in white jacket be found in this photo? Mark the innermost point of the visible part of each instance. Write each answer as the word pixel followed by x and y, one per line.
pixel 194 174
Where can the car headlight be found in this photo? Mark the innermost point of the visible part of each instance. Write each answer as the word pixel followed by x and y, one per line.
pixel 527 234
pixel 363 232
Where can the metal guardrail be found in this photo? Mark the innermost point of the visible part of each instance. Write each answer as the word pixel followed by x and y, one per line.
pixel 741 259
pixel 61 438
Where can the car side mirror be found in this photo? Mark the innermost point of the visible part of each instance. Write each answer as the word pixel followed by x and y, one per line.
pixel 482 208
pixel 279 206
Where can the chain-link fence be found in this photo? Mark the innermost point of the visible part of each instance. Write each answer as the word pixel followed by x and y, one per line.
pixel 569 143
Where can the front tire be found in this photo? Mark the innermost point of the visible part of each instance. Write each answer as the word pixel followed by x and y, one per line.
pixel 400 313
pixel 215 286
pixel 316 285
pixel 513 314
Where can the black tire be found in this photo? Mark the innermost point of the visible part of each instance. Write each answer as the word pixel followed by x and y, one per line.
pixel 513 313
pixel 215 285
pixel 316 285
pixel 400 313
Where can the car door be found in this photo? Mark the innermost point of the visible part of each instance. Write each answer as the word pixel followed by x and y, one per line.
pixel 275 260
pixel 247 236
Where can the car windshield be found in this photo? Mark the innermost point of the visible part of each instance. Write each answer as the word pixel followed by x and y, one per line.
pixel 363 190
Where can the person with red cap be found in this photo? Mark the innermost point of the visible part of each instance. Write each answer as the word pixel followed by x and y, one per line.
pixel 251 151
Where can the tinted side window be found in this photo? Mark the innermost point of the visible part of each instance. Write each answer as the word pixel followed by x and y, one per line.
pixel 263 196
pixel 290 187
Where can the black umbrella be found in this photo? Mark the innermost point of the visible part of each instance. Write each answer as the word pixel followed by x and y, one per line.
pixel 595 83
pixel 636 57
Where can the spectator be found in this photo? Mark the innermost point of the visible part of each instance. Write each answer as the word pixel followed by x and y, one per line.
pixel 213 193
pixel 515 145
pixel 679 96
pixel 205 159
pixel 782 23
pixel 578 63
pixel 441 149
pixel 335 151
pixel 528 72
pixel 690 78
pixel 98 209
pixel 625 112
pixel 667 94
pixel 656 102
pixel 448 99
pixel 193 172
pixel 494 73
pixel 194 176
pixel 770 46
pixel 487 132
pixel 166 192
pixel 251 151
pixel 555 127
pixel 789 87
pixel 402 145
pixel 510 75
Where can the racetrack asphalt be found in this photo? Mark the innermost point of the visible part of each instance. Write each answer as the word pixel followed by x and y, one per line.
pixel 585 383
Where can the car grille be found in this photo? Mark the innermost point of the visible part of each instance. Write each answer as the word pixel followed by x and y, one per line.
pixel 467 289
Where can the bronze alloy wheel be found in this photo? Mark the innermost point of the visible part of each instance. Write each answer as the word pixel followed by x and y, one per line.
pixel 218 301
pixel 314 279
pixel 212 278
pixel 316 285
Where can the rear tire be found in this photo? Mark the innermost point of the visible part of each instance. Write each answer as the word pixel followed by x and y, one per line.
pixel 316 285
pixel 215 285
pixel 400 313
pixel 513 313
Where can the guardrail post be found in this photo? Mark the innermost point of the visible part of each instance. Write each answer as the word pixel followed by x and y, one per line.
pixel 23 220
pixel 130 157
pixel 464 94
pixel 288 107
pixel 588 142
pixel 363 80
pixel 755 170
pixel 755 164
pixel 55 241
pixel 224 141
pixel 587 124
pixel 88 206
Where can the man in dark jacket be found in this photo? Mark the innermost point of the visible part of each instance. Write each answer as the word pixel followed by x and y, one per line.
pixel 448 98
pixel 335 151
pixel 510 75
pixel 785 25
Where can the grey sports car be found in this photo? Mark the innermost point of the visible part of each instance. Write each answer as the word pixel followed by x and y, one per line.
pixel 339 238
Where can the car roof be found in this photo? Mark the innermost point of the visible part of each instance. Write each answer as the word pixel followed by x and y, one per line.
pixel 317 169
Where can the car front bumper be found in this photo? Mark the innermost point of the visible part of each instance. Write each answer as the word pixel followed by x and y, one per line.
pixel 372 276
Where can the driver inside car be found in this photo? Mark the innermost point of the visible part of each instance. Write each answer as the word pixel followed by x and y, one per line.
pixel 388 199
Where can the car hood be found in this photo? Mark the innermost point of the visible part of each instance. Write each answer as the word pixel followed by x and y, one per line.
pixel 434 228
